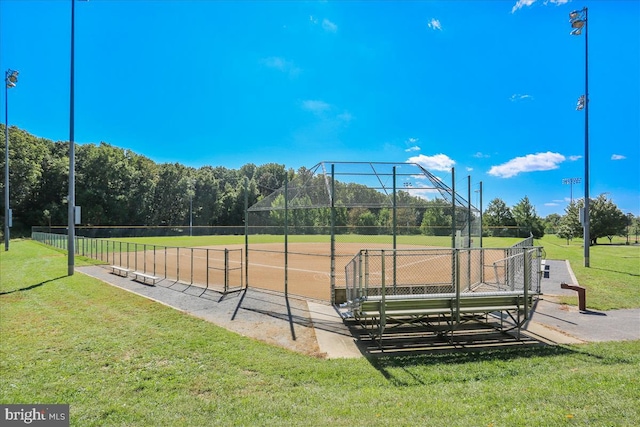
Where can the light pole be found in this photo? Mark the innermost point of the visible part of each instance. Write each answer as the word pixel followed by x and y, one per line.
pixel 571 181
pixel 10 79
pixel 578 20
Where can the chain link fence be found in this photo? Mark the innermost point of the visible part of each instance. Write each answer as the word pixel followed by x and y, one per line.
pixel 219 270
pixel 373 272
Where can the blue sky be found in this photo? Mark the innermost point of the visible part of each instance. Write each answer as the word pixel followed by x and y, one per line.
pixel 487 87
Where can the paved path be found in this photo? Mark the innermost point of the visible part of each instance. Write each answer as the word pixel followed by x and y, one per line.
pixel 588 326
pixel 316 329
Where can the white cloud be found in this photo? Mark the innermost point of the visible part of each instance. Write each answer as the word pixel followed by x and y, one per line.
pixel 520 97
pixel 468 169
pixel 529 163
pixel 551 204
pixel 435 24
pixel 480 155
pixel 439 162
pixel 522 3
pixel 618 157
pixel 315 106
pixel 412 145
pixel 281 64
pixel 574 158
pixel 345 117
pixel 329 26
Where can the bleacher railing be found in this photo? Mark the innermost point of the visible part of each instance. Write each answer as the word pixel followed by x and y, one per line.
pixel 442 270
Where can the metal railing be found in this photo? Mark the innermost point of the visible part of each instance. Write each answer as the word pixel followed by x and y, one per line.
pixel 442 270
pixel 219 270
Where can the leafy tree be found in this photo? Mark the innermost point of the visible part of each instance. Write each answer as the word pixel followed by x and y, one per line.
pixel 606 219
pixel 526 218
pixel 564 231
pixel 498 218
pixel 171 198
pixel 570 222
pixel 552 223
pixel 436 220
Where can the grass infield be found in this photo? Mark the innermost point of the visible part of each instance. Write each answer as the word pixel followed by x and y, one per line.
pixel 119 359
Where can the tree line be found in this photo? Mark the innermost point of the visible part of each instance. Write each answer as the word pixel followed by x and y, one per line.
pixel 605 220
pixel 117 187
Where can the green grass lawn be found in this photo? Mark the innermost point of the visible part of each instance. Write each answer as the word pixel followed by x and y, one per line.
pixel 613 278
pixel 122 360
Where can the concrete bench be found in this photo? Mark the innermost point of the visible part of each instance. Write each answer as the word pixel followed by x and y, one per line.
pixel 120 271
pixel 144 278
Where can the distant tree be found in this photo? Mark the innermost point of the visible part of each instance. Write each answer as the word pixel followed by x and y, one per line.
pixel 362 221
pixel 498 218
pixel 606 219
pixel 630 219
pixel 552 223
pixel 436 220
pixel 564 231
pixel 635 228
pixel 526 218
pixel 570 222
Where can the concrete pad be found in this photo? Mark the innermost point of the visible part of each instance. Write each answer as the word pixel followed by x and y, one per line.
pixel 547 335
pixel 333 336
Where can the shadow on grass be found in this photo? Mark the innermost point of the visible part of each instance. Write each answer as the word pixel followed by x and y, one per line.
pixel 399 369
pixel 616 271
pixel 28 288
pixel 273 306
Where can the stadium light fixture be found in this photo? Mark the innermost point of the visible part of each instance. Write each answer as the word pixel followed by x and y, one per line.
pixel 578 20
pixel 570 182
pixel 10 79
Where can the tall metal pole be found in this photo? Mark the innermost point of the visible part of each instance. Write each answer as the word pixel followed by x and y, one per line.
pixel 587 237
pixel 481 225
pixel 191 216
pixel 10 79
pixel 71 200
pixel 286 235
pixel 333 233
pixel 453 207
pixel 7 211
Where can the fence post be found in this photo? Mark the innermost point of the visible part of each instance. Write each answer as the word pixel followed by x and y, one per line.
pixel 527 281
pixel 383 317
pixel 207 274
pixel 226 270
pixel 456 282
pixel 366 271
